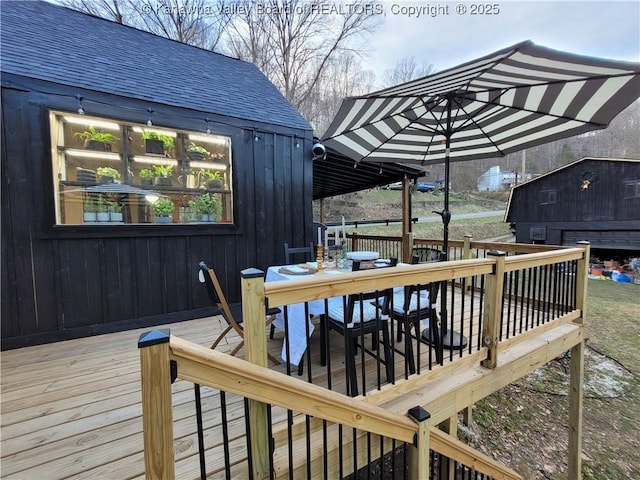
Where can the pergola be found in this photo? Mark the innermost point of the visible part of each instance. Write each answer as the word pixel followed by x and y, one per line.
pixel 336 174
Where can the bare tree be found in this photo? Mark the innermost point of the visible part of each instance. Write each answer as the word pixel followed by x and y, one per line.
pixel 195 22
pixel 344 77
pixel 406 69
pixel 294 42
pixel 117 10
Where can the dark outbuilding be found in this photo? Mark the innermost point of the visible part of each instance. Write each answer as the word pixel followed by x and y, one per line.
pixel 64 73
pixel 592 199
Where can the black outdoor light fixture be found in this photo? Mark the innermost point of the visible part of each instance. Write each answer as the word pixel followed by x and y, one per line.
pixel 319 151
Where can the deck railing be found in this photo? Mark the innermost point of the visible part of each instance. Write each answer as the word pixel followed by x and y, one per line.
pixel 516 311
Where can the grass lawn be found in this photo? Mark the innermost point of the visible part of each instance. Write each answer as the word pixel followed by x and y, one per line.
pixel 525 424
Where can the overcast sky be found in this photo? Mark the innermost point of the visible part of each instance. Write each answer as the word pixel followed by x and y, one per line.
pixel 445 36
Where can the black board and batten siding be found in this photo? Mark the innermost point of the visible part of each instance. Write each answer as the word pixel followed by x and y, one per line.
pixel 61 282
pixel 592 199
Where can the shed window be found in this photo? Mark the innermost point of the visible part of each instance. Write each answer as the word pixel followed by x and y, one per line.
pixel 631 189
pixel 547 197
pixel 115 173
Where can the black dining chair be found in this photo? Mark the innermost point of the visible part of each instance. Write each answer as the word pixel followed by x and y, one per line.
pixel 299 254
pixel 426 254
pixel 303 254
pixel 356 317
pixel 414 304
pixel 231 314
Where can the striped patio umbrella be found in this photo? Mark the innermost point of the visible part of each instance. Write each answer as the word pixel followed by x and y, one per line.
pixel 519 97
pixel 513 99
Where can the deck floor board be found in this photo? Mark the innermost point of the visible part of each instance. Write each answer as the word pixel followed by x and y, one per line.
pixel 72 409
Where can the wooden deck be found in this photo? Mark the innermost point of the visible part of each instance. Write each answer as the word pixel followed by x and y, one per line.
pixel 72 409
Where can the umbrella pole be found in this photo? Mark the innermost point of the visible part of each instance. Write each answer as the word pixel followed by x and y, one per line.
pixel 449 338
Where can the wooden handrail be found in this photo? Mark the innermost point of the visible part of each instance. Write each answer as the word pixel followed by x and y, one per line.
pixel 204 366
pixel 287 292
pixel 462 453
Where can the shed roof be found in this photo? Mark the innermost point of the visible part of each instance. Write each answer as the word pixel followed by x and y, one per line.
pixel 48 42
pixel 532 183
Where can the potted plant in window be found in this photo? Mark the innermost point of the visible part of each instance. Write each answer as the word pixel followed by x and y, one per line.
pixel 207 206
pixel 146 177
pixel 89 211
pixel 157 143
pixel 164 207
pixel 95 140
pixel 214 179
pixel 107 174
pixel 102 209
pixel 162 175
pixel 197 153
pixel 115 212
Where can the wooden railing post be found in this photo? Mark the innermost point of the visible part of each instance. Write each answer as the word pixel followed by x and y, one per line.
pixel 407 246
pixel 581 280
pixel 255 345
pixel 354 242
pixel 157 414
pixel 493 309
pixel 467 254
pixel 450 427
pixel 419 453
pixel 576 371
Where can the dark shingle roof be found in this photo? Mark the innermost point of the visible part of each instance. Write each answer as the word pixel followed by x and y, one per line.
pixel 48 42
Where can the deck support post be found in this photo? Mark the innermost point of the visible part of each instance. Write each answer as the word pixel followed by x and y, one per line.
pixel 255 345
pixel 493 309
pixel 450 427
pixel 576 370
pixel 157 413
pixel 467 254
pixel 419 453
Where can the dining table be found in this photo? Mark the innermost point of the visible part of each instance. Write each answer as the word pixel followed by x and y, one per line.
pixel 298 316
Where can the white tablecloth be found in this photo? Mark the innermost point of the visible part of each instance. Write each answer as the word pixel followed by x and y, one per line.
pixel 296 315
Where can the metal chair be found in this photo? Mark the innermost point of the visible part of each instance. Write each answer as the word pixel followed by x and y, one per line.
pixel 356 317
pixel 308 252
pixel 426 254
pixel 231 314
pixel 417 303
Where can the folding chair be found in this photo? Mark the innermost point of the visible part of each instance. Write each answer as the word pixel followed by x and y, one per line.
pixel 231 314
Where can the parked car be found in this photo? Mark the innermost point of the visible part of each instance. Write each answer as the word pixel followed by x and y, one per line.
pixel 426 187
pixel 394 186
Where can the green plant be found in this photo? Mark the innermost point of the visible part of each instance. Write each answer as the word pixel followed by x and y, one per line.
pixel 89 206
pixel 167 140
pixel 107 172
pixel 163 170
pixel 102 205
pixel 212 175
pixel 163 207
pixel 198 149
pixel 96 136
pixel 115 207
pixel 146 173
pixel 207 204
